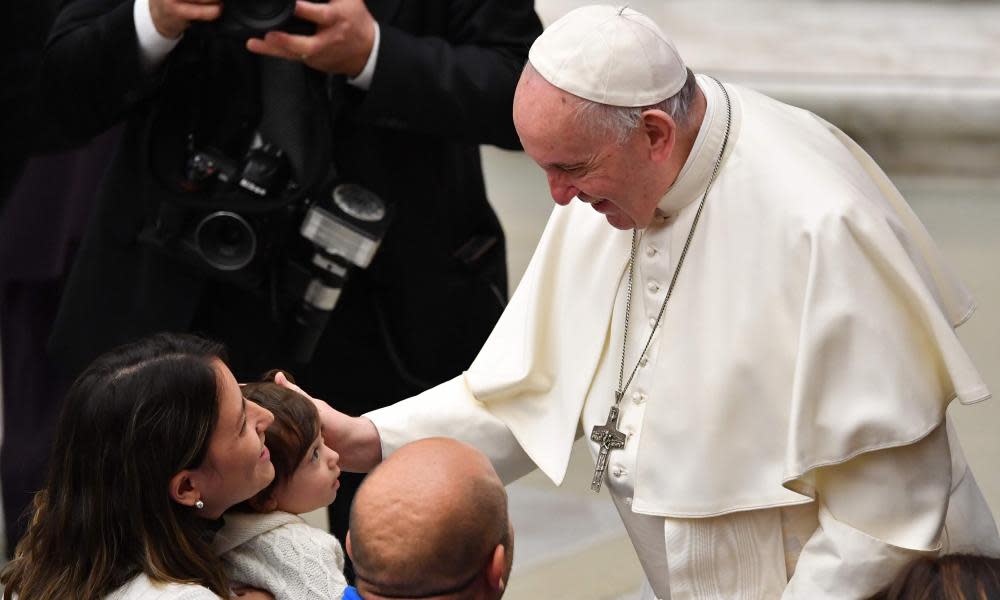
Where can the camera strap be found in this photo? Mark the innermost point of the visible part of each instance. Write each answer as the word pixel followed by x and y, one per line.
pixel 294 118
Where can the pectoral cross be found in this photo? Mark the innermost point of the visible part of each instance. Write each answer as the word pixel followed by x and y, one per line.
pixel 609 438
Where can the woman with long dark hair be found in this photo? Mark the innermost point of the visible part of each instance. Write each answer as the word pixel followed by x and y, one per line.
pixel 155 441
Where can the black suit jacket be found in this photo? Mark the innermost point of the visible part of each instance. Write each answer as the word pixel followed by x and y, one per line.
pixel 443 84
pixel 24 128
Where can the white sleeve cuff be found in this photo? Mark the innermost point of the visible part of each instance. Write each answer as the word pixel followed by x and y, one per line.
pixel 450 410
pixel 153 47
pixel 364 78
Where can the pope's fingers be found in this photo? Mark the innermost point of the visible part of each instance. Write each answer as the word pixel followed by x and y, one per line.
pixel 282 380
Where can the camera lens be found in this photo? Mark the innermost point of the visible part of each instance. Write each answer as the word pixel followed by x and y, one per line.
pixel 260 15
pixel 226 241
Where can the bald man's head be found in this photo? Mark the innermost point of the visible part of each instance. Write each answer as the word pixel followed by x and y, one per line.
pixel 430 521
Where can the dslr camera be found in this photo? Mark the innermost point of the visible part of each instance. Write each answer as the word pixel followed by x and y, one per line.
pixel 241 217
pixel 242 185
pixel 246 18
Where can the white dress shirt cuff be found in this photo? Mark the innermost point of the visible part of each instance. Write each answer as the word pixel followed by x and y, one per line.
pixel 364 78
pixel 153 47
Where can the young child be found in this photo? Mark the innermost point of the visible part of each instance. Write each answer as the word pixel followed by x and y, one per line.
pixel 264 543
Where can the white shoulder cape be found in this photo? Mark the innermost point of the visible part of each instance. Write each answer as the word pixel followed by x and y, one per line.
pixel 813 322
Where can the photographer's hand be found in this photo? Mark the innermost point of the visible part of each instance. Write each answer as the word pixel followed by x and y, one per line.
pixel 172 17
pixel 345 34
pixel 355 439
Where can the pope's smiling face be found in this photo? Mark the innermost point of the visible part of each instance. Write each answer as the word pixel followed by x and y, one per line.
pixel 617 180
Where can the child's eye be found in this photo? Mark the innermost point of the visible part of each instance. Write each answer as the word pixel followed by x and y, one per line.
pixel 316 453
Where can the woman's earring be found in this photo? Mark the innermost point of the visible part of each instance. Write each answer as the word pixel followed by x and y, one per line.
pixel 199 504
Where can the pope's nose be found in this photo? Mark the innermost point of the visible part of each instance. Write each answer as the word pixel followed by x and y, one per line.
pixel 562 191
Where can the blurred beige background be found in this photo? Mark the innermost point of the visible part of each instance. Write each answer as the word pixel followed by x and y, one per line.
pixel 917 84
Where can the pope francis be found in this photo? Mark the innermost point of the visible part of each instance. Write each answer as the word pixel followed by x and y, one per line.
pixel 760 348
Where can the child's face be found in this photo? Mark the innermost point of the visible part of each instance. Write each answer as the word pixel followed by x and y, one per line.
pixel 314 483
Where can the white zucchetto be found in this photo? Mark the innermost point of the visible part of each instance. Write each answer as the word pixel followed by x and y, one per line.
pixel 608 54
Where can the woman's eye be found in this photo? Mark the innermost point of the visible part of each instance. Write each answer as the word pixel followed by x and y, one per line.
pixel 316 453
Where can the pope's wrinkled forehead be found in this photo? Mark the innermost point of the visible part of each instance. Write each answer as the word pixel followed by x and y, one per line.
pixel 611 55
pixel 543 114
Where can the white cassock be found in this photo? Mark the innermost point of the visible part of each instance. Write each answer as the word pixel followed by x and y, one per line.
pixel 786 429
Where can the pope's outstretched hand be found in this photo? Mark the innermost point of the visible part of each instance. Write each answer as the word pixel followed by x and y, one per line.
pixel 354 438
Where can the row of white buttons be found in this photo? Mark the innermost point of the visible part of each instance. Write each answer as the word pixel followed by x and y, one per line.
pixel 638 397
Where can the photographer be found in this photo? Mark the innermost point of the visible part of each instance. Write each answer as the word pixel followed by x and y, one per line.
pixel 413 88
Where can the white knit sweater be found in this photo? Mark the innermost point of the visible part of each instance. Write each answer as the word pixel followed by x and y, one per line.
pixel 281 553
pixel 143 588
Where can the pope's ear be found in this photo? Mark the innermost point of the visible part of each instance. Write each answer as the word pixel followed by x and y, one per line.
pixel 661 134
pixel 183 490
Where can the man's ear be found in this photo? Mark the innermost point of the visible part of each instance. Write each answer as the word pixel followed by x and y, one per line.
pixel 661 134
pixel 347 545
pixel 495 569
pixel 182 489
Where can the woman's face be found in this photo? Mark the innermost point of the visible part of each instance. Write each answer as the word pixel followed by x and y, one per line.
pixel 237 464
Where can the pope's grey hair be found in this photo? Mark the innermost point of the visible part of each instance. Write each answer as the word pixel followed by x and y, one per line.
pixel 620 121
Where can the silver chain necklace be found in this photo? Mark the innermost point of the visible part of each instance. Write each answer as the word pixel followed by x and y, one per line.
pixel 608 435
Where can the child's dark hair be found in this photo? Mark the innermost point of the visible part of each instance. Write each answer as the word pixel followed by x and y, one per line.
pixel 288 439
pixel 949 577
